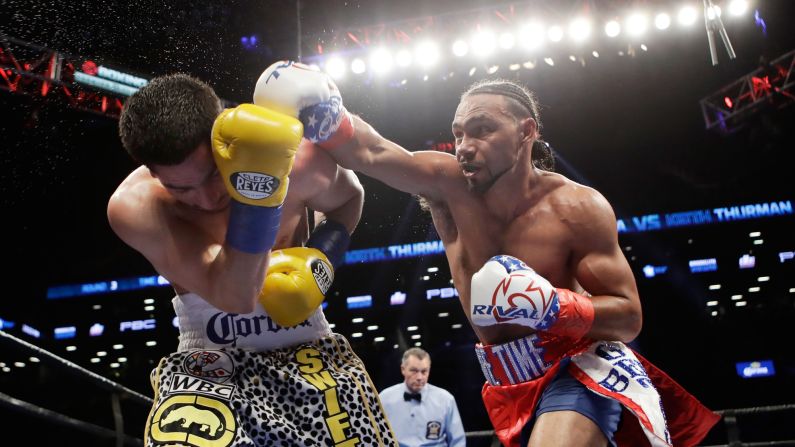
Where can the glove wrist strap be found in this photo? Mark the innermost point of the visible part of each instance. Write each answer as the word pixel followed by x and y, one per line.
pixel 252 229
pixel 576 315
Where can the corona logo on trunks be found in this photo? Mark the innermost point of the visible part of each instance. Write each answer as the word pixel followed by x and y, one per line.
pixel 323 274
pixel 254 185
pixel 193 420
pixel 212 365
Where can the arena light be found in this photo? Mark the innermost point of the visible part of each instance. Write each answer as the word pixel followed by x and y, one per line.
pixel 433 269
pixel 736 297
pixel 418 344
pixel 71 348
pixel 549 61
pixel 373 327
pixel 483 43
pixel 472 70
pixel 460 48
pixel 755 234
pixel 381 61
pixel 579 29
pixel 335 67
pixel 555 33
pixel 713 11
pixel 356 335
pixel 412 328
pixel 403 58
pixel 379 339
pixel 95 360
pixel 456 326
pixel 493 69
pixel 687 16
pixel 763 279
pixel 357 320
pixel 738 7
pixel 507 40
pixel 532 35
pixel 427 54
pixel 595 53
pixel 416 337
pixel 444 314
pixel 514 67
pixel 637 24
pixel 151 343
pixel 149 301
pixel 662 21
pixel 358 66
pixel 612 28
pixel 754 289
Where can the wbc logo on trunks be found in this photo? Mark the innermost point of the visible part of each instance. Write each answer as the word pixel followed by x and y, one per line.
pixel 254 185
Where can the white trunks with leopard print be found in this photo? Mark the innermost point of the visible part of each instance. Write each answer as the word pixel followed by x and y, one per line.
pixel 313 394
pixel 203 326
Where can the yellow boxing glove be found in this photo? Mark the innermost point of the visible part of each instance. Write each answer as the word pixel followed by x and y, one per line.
pixel 254 149
pixel 295 284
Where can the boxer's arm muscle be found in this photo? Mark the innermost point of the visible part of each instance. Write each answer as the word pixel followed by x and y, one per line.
pixel 226 278
pixel 413 172
pixel 330 189
pixel 602 270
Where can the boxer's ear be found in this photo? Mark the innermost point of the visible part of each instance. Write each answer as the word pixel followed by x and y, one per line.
pixel 529 129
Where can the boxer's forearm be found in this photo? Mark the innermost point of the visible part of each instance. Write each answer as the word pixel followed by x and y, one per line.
pixel 615 318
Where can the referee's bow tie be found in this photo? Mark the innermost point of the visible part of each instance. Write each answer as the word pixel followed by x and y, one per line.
pixel 409 396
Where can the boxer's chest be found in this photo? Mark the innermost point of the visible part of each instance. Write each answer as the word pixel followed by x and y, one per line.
pixel 538 236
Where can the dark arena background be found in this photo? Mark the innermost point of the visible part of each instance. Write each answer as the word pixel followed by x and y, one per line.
pixel 695 157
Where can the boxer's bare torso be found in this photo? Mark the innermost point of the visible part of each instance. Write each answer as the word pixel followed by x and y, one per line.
pixel 538 234
pixel 160 210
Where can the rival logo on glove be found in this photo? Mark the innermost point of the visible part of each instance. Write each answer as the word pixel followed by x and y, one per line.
pixel 254 185
pixel 504 313
pixel 323 274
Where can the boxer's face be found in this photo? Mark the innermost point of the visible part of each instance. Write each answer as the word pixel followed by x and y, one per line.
pixel 487 137
pixel 195 182
pixel 416 372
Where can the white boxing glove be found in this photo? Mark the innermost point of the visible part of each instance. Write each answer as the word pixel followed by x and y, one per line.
pixel 506 290
pixel 310 95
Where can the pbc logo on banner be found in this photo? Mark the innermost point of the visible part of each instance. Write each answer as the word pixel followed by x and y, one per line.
pixel 323 274
pixel 254 185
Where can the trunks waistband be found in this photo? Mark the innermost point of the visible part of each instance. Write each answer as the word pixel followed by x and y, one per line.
pixel 514 362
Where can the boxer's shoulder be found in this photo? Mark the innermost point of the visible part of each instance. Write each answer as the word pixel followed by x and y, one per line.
pixel 139 207
pixel 574 203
